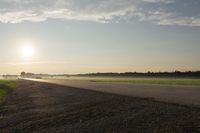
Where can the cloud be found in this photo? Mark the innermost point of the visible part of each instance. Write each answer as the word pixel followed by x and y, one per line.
pixel 171 19
pixel 162 12
pixel 184 21
pixel 156 1
pixel 16 11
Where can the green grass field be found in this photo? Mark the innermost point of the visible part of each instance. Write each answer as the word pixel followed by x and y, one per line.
pixel 5 87
pixel 160 81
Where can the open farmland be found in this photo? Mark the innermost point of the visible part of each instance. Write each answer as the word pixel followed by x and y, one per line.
pixel 160 81
pixel 180 94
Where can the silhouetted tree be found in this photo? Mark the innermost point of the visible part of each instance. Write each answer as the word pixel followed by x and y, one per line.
pixel 23 74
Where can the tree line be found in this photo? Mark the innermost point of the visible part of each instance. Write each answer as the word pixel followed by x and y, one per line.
pixel 175 74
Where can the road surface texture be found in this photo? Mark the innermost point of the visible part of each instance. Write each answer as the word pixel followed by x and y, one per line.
pixel 36 107
pixel 186 95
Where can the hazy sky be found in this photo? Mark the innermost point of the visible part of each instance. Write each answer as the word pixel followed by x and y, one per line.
pixel 80 36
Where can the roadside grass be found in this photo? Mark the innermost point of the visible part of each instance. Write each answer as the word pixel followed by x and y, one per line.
pixel 159 81
pixel 5 87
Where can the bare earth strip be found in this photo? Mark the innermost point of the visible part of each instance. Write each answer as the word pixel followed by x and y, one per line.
pixel 48 108
pixel 186 95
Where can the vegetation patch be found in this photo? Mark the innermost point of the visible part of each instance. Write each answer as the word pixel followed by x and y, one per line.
pixel 159 81
pixel 5 87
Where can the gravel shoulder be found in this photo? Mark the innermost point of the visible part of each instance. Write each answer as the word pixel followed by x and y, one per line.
pixel 48 108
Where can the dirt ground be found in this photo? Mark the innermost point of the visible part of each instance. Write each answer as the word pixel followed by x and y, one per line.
pixel 36 107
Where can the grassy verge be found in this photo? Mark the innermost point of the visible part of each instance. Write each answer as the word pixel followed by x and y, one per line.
pixel 160 81
pixel 5 87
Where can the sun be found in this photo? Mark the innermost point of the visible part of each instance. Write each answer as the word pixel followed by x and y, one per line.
pixel 27 50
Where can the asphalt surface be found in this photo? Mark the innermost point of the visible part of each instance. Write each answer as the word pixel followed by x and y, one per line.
pixel 186 95
pixel 36 107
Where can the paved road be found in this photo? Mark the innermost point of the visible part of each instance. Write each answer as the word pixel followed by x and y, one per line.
pixel 186 95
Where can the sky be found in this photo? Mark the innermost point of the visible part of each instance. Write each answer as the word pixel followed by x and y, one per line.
pixel 84 36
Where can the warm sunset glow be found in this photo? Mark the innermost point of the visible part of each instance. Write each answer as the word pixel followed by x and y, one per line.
pixel 27 50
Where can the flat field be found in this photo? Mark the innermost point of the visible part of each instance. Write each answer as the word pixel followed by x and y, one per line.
pixel 161 81
pixel 49 108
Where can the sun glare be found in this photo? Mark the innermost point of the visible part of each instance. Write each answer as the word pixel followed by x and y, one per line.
pixel 27 50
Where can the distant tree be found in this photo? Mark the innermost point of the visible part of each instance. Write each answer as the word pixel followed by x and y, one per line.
pixel 23 74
